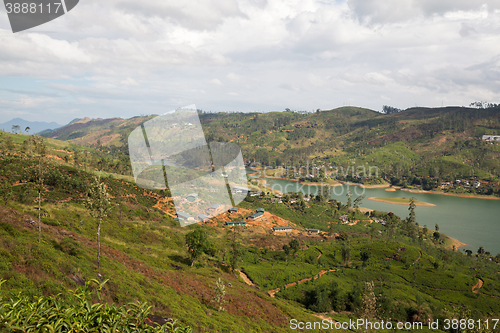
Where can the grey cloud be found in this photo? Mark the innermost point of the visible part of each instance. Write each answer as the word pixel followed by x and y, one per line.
pixel 197 15
pixel 466 30
pixel 30 93
pixel 390 11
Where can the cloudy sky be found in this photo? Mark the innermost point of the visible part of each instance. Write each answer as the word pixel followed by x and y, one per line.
pixel 122 58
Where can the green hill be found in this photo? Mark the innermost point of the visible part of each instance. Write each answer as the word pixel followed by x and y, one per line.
pixel 419 147
pixel 415 274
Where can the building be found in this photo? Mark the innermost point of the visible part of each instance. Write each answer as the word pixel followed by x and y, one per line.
pixel 233 210
pixel 282 229
pixel 183 216
pixel 236 223
pixel 313 231
pixel 260 210
pixel 240 189
pixel 203 217
pixel 192 197
pixel 214 207
pixel 491 138
pixel 476 184
pixel 256 216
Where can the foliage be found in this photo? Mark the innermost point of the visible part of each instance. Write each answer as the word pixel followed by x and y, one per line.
pixel 197 243
pixel 220 294
pixel 76 314
pixel 99 206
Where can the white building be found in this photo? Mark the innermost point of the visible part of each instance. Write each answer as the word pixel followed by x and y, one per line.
pixel 491 138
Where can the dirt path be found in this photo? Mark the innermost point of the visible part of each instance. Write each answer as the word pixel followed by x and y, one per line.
pixel 291 284
pixel 323 317
pixel 477 286
pixel 320 253
pixel 247 279
pixel 420 256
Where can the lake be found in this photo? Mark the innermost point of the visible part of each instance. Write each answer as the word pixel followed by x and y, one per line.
pixel 473 221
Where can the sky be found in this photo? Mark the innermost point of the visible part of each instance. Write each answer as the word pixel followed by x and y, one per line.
pixel 124 58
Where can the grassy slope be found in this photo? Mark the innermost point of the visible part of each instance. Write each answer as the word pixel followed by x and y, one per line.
pixel 145 258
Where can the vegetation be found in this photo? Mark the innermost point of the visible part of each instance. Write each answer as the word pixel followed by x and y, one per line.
pixel 372 265
pixel 77 314
pixel 99 205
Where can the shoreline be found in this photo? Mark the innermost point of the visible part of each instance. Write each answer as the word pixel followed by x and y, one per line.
pixel 453 241
pixel 452 194
pixel 295 180
pixel 417 203
pixel 365 186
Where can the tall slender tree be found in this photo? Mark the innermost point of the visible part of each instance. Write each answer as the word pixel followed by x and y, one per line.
pixel 99 205
pixel 412 217
pixel 39 152
pixel 349 198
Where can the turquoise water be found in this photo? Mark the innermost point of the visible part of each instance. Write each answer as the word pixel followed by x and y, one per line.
pixel 475 222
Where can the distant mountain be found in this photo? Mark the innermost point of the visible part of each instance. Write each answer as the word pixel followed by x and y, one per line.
pixel 89 132
pixel 35 126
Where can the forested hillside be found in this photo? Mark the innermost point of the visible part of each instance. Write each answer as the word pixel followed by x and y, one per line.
pixel 428 148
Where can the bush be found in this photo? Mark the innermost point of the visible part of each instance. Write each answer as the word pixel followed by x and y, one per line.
pixel 55 314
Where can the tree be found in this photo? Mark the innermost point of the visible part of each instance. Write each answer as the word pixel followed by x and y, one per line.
pixel 349 198
pixel 15 128
pixel 436 235
pixel 99 205
pixel 39 150
pixel 294 245
pixel 220 293
pixel 358 201
pixel 411 208
pixel 437 227
pixel 368 310
pixel 197 242
pixel 6 191
pixel 27 129
pixel 286 248
pixel 365 256
pixel 346 251
pixel 480 251
pixel 235 252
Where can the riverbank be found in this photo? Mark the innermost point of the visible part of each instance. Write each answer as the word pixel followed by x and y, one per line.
pixel 365 186
pixel 450 242
pixel 452 194
pixel 256 174
pixel 401 201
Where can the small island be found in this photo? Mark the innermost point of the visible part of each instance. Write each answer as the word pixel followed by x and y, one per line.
pixel 401 201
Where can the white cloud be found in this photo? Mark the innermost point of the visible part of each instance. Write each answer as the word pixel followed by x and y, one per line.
pixel 117 57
